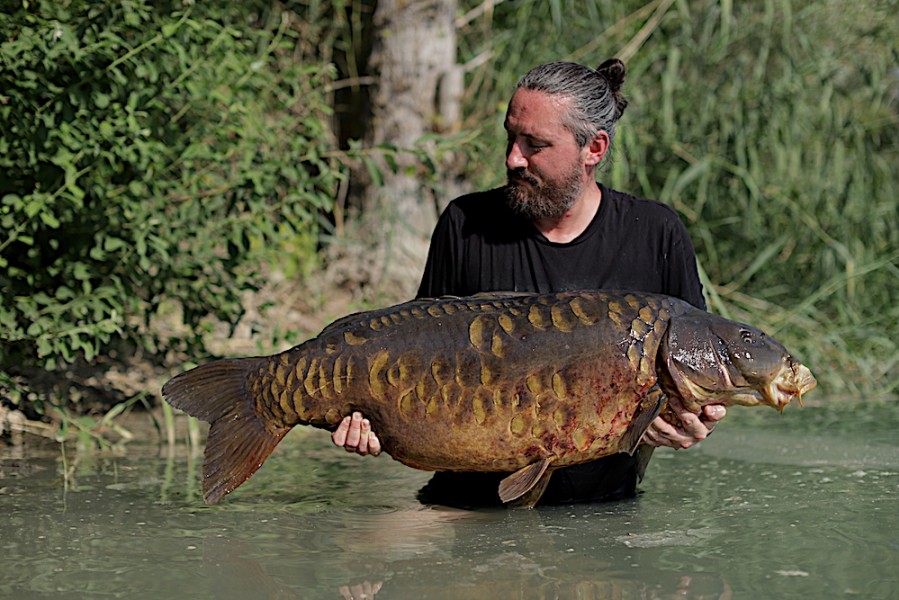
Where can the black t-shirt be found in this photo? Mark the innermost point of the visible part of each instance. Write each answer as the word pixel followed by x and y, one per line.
pixel 480 245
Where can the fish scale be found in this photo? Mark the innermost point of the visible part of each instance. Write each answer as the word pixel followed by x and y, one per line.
pixel 522 383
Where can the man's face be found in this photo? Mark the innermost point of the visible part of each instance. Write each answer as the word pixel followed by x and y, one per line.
pixel 545 166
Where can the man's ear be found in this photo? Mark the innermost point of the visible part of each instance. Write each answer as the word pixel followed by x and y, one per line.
pixel 596 149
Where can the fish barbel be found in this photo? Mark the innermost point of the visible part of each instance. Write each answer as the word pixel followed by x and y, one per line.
pixel 517 383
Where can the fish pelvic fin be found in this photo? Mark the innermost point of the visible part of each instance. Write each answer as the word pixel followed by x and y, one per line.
pixel 644 454
pixel 524 487
pixel 240 438
pixel 650 406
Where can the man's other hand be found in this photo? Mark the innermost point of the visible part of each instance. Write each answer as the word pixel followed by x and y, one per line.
pixel 355 435
pixel 692 427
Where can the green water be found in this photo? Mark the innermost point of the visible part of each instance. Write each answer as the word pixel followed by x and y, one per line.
pixel 799 505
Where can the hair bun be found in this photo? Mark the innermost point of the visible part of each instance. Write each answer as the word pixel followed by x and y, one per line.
pixel 614 71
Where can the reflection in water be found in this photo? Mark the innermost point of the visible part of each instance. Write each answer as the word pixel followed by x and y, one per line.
pixel 454 554
pixel 758 512
pixel 232 574
pixel 360 591
pixel 536 554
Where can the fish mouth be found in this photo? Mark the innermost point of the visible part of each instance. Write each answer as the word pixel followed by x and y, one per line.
pixel 789 384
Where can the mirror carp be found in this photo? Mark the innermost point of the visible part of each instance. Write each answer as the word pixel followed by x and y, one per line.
pixel 517 383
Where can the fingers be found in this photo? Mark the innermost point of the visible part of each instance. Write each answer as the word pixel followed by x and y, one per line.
pixel 360 591
pixel 339 435
pixel 364 432
pixel 712 413
pixel 663 433
pixel 690 428
pixel 368 441
pixel 355 435
pixel 654 435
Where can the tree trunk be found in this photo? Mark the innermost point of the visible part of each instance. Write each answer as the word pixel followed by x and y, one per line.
pixel 418 91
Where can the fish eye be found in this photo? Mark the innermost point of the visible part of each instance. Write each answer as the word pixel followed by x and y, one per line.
pixel 746 336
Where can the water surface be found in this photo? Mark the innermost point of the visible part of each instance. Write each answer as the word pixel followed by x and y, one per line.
pixel 799 505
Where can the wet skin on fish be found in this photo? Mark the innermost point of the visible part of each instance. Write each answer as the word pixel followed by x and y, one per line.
pixel 517 383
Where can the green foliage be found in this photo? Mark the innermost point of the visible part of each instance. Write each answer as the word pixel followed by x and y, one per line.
pixel 155 156
pixel 150 152
pixel 772 128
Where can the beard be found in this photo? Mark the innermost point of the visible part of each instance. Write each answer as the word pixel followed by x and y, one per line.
pixel 535 199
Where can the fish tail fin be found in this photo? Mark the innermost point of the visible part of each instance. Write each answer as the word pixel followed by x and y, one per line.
pixel 240 438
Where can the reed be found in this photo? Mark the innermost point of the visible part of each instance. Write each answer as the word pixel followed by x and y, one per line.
pixel 771 127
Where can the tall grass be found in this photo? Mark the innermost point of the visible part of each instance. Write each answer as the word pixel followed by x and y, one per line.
pixel 772 128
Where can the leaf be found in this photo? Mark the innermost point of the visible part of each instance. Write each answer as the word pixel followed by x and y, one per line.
pixel 374 171
pixel 169 29
pixel 112 243
pixel 81 272
pixel 50 220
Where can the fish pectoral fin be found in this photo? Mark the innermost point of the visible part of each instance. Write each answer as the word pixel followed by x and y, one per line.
pixel 531 480
pixel 650 406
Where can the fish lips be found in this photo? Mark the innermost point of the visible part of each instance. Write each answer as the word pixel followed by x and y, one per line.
pixel 794 380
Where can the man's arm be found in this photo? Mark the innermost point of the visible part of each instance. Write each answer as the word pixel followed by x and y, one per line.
pixel 682 280
pixel 355 434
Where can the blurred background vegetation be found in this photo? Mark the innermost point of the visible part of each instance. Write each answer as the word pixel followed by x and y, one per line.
pixel 772 128
pixel 162 163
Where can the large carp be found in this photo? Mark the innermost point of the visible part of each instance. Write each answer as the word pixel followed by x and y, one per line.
pixel 517 383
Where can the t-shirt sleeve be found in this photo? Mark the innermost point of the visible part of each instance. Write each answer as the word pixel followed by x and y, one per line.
pixel 439 277
pixel 682 273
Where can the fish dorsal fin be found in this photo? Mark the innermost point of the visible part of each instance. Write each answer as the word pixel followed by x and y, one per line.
pixel 357 318
pixel 498 295
pixel 650 406
pixel 525 480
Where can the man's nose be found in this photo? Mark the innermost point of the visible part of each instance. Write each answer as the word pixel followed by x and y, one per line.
pixel 514 158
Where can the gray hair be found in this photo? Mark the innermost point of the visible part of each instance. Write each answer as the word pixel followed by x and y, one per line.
pixel 597 103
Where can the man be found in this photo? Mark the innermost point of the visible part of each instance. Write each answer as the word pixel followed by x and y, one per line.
pixel 552 227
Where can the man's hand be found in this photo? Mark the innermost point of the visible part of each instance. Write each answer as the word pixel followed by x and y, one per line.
pixel 361 591
pixel 355 435
pixel 693 427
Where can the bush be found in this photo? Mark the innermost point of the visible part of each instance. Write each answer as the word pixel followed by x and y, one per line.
pixel 150 152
